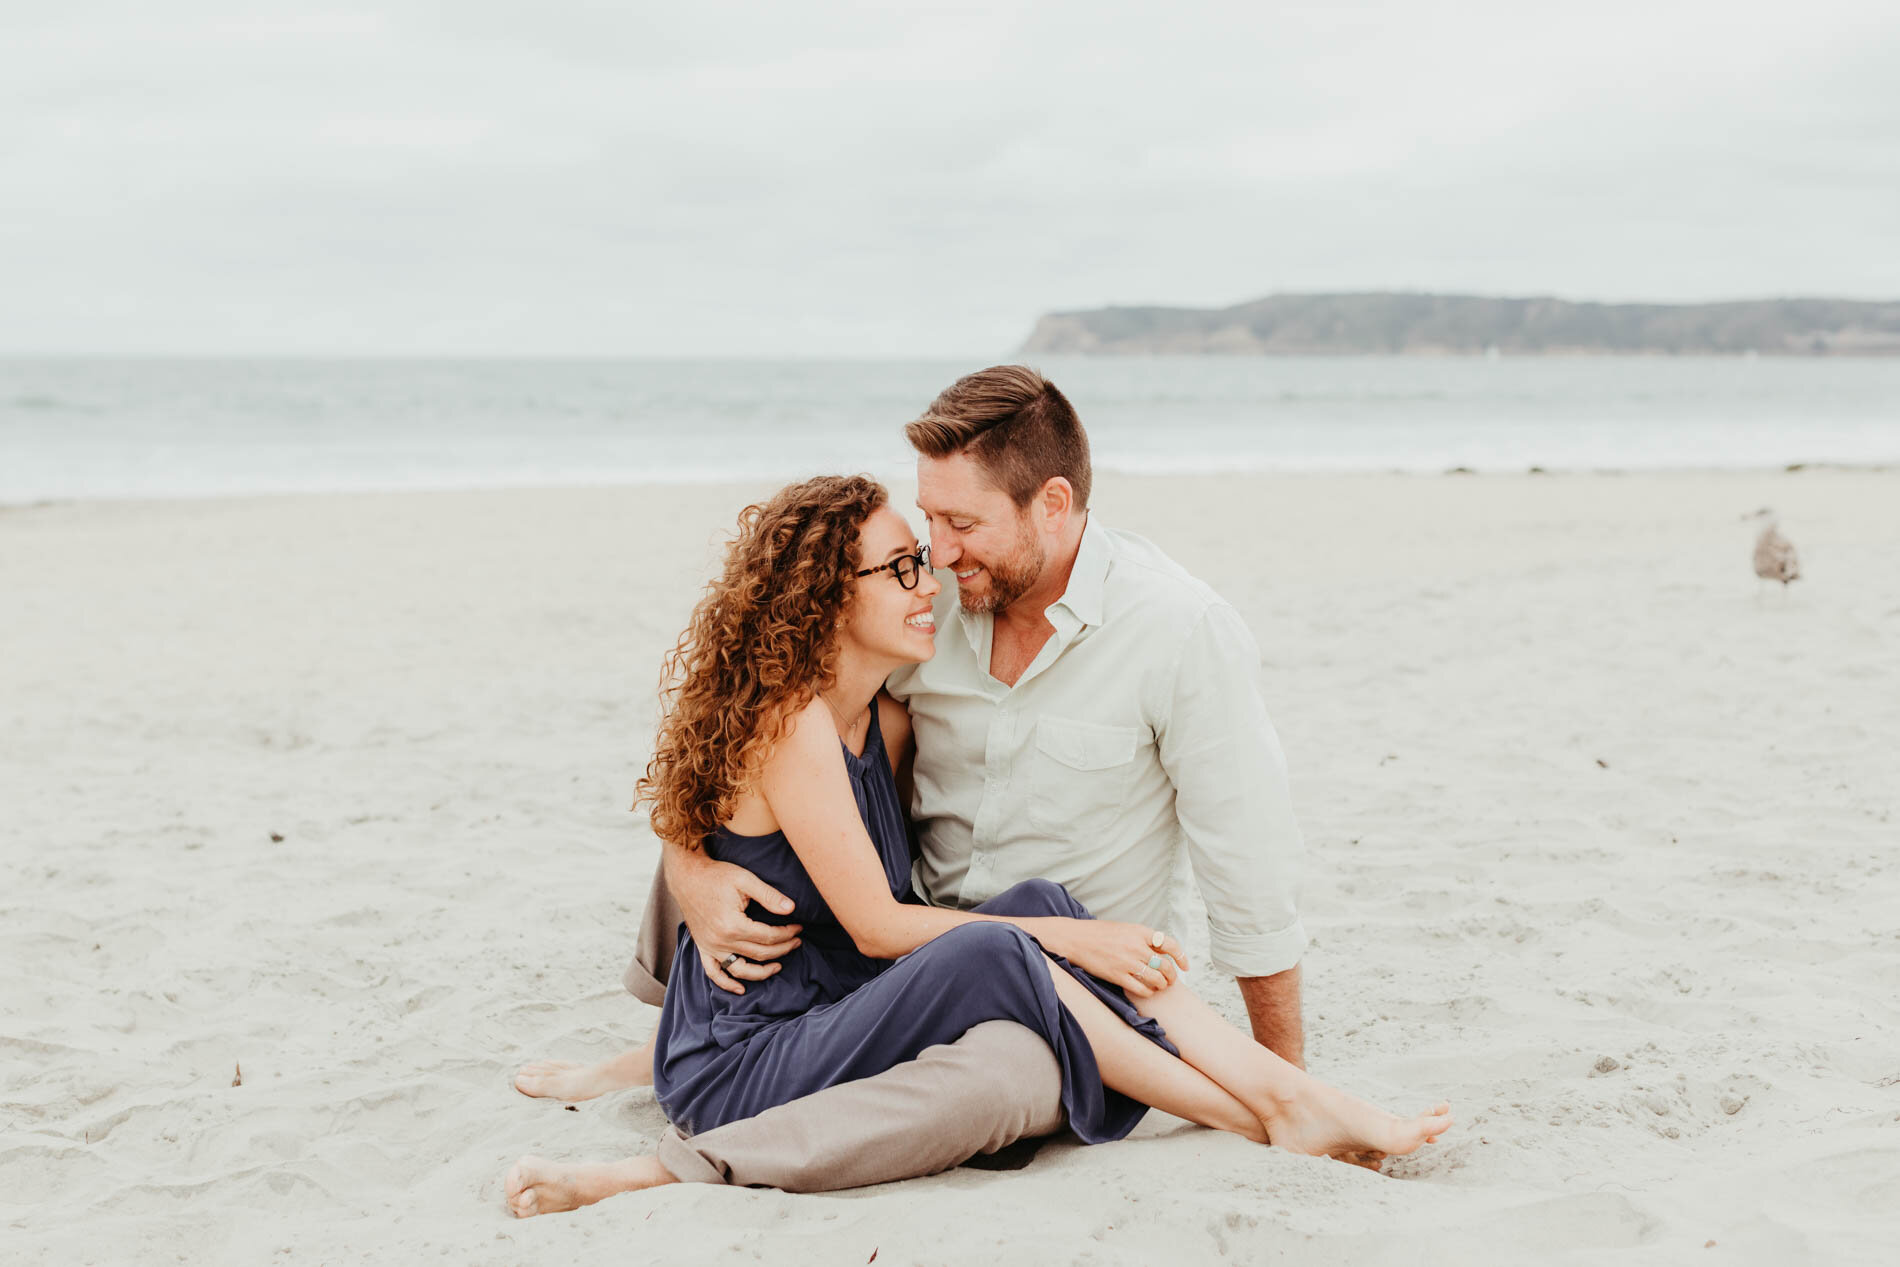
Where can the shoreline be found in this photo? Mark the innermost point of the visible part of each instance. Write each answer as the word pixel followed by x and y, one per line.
pixel 1115 472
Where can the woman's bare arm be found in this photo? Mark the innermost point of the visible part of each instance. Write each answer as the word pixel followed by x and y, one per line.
pixel 809 791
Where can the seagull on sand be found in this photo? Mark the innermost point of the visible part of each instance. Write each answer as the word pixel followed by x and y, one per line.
pixel 1775 558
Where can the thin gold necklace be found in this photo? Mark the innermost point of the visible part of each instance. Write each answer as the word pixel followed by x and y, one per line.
pixel 845 728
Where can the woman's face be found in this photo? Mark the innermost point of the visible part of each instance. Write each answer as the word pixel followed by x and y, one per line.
pixel 886 619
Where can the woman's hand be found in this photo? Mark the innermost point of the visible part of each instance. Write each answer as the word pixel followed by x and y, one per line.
pixel 1120 954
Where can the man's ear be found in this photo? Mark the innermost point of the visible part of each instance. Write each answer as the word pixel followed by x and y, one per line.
pixel 1056 502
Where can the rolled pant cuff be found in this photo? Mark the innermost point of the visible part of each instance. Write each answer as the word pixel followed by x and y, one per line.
pixel 683 1163
pixel 643 985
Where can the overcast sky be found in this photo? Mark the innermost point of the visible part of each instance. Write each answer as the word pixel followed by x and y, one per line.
pixel 472 177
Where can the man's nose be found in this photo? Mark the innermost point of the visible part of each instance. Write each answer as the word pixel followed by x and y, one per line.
pixel 944 551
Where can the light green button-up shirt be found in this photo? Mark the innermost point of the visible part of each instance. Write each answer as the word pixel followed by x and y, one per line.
pixel 1136 738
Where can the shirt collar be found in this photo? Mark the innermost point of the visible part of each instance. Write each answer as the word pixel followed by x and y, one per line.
pixel 1089 577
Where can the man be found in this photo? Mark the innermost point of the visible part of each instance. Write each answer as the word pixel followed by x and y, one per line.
pixel 1091 716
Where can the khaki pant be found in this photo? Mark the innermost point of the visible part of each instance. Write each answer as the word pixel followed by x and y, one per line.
pixel 994 1086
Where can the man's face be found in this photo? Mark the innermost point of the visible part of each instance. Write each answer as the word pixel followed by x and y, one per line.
pixel 978 533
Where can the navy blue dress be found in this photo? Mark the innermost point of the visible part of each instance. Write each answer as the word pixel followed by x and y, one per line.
pixel 833 1015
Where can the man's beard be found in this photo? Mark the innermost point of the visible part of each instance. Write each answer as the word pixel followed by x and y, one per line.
pixel 1010 578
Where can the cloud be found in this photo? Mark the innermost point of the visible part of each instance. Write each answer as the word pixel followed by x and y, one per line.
pixel 841 179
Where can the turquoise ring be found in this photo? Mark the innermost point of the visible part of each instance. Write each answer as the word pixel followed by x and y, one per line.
pixel 1154 963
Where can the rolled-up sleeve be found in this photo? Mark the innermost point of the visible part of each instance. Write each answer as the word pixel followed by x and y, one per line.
pixel 1230 784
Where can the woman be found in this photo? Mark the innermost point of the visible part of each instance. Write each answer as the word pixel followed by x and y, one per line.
pixel 777 752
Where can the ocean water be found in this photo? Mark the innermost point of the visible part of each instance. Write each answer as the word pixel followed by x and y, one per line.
pixel 171 428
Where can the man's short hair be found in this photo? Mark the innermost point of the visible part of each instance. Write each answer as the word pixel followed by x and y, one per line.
pixel 1017 426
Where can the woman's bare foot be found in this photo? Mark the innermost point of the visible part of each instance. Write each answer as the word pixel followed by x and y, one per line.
pixel 570 1080
pixel 536 1185
pixel 1319 1120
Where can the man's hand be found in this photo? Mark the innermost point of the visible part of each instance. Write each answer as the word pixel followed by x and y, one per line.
pixel 712 897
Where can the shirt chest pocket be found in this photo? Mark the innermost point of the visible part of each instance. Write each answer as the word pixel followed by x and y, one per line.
pixel 1079 774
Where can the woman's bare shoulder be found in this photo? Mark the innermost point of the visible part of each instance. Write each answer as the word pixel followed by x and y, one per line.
pixel 808 732
pixel 808 737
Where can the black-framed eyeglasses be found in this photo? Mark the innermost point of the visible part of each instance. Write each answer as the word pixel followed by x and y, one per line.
pixel 906 567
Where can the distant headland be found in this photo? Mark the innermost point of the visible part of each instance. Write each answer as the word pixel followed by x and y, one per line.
pixel 1449 325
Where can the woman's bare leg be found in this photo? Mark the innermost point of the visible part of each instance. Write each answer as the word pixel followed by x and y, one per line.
pixel 1300 1112
pixel 1137 1068
pixel 570 1080
pixel 538 1186
pixel 1238 1080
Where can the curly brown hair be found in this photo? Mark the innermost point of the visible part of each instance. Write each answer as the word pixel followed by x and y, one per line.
pixel 761 643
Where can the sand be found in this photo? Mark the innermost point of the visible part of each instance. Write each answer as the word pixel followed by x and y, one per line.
pixel 1602 849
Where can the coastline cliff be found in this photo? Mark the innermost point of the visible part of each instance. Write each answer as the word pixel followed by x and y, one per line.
pixel 1418 324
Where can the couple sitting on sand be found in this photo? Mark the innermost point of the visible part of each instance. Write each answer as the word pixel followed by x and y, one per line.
pixel 911 954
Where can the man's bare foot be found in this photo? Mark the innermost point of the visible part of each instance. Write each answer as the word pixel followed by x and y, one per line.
pixel 1324 1121
pixel 1369 1159
pixel 570 1080
pixel 536 1185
